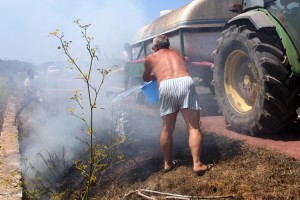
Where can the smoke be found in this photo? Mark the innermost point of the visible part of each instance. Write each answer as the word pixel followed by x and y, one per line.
pixel 55 137
pixel 52 132
pixel 113 23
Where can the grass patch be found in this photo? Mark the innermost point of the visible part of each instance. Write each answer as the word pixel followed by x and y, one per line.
pixel 240 172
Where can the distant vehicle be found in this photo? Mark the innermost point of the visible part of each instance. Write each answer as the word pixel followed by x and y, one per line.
pixel 53 70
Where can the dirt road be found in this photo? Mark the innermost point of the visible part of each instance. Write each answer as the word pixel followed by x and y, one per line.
pixel 10 171
pixel 287 142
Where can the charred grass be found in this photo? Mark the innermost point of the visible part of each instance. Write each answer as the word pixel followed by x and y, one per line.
pixel 239 172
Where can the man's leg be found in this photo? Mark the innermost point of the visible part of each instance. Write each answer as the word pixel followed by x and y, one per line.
pixel 24 104
pixel 18 113
pixel 166 138
pixel 192 119
pixel 126 77
pixel 126 81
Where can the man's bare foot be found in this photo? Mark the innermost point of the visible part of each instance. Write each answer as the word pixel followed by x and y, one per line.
pixel 171 167
pixel 200 170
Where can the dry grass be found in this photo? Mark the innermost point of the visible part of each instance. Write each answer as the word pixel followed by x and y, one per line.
pixel 240 171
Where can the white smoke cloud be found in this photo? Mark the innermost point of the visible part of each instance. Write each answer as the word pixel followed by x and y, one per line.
pixel 112 22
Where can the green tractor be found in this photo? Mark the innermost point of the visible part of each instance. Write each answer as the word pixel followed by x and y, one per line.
pixel 256 71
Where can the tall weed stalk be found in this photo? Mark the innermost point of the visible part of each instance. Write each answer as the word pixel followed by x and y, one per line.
pixel 99 154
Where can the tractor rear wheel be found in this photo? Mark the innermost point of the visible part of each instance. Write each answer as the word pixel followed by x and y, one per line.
pixel 249 79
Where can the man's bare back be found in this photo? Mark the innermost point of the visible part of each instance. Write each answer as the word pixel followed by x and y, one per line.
pixel 165 64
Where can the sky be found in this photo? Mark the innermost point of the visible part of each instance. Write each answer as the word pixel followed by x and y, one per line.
pixel 25 25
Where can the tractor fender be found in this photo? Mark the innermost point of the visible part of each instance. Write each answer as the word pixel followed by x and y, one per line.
pixel 257 18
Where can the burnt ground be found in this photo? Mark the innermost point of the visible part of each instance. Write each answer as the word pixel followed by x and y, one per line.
pixel 241 170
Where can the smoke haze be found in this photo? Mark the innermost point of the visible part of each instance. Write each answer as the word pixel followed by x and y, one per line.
pixel 25 25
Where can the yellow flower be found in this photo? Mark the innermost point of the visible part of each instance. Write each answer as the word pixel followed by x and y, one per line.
pixel 53 33
pixel 93 105
pixel 90 38
pixel 71 110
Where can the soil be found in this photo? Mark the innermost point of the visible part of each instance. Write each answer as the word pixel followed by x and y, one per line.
pixel 244 167
pixel 10 174
pixel 241 170
pixel 286 142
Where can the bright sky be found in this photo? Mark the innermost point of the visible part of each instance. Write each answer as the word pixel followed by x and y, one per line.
pixel 25 25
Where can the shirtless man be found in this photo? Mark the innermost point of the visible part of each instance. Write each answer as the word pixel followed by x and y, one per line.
pixel 177 92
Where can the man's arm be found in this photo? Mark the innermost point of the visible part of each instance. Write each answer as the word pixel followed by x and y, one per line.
pixel 30 90
pixel 147 76
pixel 28 87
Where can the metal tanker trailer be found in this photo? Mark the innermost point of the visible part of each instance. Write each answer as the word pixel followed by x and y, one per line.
pixel 193 30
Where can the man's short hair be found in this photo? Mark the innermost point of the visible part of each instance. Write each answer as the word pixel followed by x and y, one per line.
pixel 161 42
pixel 126 46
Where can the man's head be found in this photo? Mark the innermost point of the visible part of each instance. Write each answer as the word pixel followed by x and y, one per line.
pixel 127 46
pixel 160 42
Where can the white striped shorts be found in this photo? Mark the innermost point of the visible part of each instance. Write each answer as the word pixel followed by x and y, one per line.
pixel 176 94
